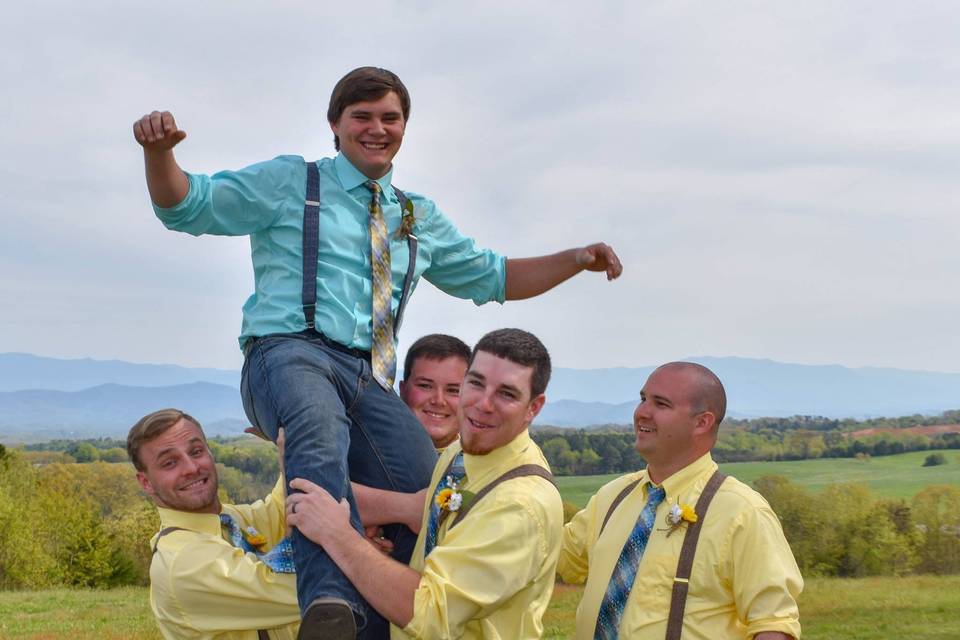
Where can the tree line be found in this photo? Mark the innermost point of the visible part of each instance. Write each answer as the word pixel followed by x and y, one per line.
pixel 609 449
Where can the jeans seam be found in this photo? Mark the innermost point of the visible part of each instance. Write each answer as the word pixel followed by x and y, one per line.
pixel 269 388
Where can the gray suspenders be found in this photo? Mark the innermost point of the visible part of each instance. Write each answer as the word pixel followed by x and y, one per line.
pixel 681 583
pixel 261 633
pixel 311 242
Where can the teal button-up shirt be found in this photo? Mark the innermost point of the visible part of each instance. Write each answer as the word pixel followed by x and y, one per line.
pixel 265 201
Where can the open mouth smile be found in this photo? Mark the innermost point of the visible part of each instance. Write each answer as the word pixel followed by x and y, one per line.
pixel 479 425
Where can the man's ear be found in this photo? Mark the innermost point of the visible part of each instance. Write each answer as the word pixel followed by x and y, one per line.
pixel 706 421
pixel 534 407
pixel 144 483
pixel 403 386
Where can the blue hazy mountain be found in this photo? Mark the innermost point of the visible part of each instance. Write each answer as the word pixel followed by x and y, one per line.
pixel 19 371
pixel 48 397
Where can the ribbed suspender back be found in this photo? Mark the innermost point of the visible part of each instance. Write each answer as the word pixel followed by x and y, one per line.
pixel 311 248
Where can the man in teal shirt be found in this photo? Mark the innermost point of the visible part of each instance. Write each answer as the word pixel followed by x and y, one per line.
pixel 316 361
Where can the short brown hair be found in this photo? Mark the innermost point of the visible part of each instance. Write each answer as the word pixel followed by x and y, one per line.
pixel 361 85
pixel 523 348
pixel 435 346
pixel 152 426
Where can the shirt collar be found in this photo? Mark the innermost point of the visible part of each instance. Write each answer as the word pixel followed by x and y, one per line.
pixel 199 522
pixel 478 467
pixel 679 485
pixel 351 177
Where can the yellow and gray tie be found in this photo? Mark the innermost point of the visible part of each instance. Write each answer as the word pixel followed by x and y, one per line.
pixel 383 356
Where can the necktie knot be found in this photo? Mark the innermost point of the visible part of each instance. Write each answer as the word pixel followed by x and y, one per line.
pixel 374 187
pixel 655 494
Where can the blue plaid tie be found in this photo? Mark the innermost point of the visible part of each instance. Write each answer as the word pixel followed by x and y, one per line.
pixel 279 558
pixel 621 581
pixel 458 474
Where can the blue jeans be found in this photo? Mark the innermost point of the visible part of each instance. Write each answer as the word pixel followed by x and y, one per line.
pixel 340 425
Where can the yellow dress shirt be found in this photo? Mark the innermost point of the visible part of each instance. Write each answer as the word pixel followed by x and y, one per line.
pixel 492 575
pixel 201 586
pixel 744 581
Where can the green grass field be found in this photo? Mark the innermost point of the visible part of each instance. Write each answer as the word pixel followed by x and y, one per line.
pixel 914 608
pixel 899 476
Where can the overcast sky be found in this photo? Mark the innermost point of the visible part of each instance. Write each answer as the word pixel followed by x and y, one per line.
pixel 779 179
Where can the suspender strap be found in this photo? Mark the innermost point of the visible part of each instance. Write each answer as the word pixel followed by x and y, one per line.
pixel 311 248
pixel 681 584
pixel 412 242
pixel 517 472
pixel 616 503
pixel 164 532
pixel 262 634
pixel 311 242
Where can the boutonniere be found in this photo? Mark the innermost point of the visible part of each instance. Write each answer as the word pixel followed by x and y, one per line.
pixel 679 515
pixel 253 537
pixel 407 221
pixel 451 497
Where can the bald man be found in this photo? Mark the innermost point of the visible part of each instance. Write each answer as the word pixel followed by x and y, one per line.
pixel 679 547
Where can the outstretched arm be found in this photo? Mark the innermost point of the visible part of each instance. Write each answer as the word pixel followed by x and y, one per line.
pixel 529 277
pixel 158 134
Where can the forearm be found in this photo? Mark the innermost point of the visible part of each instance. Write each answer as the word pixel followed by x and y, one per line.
pixel 529 277
pixel 379 507
pixel 383 582
pixel 166 181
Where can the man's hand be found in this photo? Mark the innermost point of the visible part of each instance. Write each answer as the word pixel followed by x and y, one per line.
pixel 600 257
pixel 376 538
pixel 157 131
pixel 316 514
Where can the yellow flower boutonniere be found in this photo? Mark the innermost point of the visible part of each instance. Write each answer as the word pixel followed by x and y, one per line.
pixel 679 515
pixel 451 498
pixel 407 221
pixel 254 537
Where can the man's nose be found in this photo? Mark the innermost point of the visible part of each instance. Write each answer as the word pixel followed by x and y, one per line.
pixel 376 126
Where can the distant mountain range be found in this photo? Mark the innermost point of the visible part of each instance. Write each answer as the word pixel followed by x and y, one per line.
pixel 44 398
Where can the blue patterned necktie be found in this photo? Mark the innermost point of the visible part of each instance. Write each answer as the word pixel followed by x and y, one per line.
pixel 279 558
pixel 624 573
pixel 383 355
pixel 458 474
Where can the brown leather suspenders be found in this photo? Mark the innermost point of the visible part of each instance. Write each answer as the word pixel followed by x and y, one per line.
pixel 681 583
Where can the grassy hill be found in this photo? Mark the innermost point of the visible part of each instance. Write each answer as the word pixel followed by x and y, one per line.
pixel 918 608
pixel 898 476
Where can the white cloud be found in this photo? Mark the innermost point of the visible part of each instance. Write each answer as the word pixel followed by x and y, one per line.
pixel 778 178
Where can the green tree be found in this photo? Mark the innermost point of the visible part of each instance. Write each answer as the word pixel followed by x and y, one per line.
pixel 937 514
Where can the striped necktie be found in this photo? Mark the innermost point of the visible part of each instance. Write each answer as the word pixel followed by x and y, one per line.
pixel 279 558
pixel 457 475
pixel 383 356
pixel 624 573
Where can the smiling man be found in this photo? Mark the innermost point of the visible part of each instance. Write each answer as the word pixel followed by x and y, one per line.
pixel 202 585
pixel 679 547
pixel 337 251
pixel 490 529
pixel 432 374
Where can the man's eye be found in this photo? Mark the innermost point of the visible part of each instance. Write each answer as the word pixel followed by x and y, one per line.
pixel 453 390
pixel 425 386
pixel 475 383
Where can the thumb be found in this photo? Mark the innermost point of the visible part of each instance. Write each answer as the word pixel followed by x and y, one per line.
pixel 178 136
